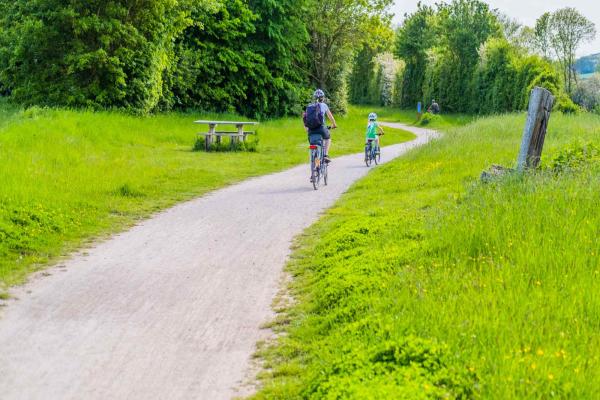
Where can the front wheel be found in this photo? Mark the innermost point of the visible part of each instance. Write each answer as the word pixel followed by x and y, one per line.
pixel 324 173
pixel 376 156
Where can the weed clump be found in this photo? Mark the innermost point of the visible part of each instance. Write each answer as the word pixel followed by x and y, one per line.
pixel 429 118
pixel 408 368
pixel 576 157
pixel 126 190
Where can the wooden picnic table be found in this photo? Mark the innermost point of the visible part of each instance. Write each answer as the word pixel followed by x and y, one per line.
pixel 234 135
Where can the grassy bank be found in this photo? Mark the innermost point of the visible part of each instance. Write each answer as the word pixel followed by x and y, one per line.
pixel 68 176
pixel 424 283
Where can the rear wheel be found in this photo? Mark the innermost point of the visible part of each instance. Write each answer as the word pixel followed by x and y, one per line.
pixel 315 171
pixel 368 156
pixel 376 156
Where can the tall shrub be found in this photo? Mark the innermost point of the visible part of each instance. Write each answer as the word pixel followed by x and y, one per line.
pixel 92 53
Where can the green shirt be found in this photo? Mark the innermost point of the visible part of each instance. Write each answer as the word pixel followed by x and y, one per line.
pixel 372 130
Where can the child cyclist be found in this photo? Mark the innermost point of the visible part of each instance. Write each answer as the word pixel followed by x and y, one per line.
pixel 374 130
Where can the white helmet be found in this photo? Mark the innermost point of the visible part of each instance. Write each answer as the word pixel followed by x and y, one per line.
pixel 372 117
pixel 319 94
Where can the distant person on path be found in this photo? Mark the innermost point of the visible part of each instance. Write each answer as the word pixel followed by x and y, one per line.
pixel 374 130
pixel 434 108
pixel 315 119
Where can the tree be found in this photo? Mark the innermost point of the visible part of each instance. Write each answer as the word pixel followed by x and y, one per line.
pixel 464 26
pixel 413 39
pixel 568 31
pixel 542 35
pixel 378 40
pixel 335 27
pixel 281 38
pixel 217 68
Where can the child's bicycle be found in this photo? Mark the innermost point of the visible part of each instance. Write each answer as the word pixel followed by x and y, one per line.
pixel 372 152
pixel 318 167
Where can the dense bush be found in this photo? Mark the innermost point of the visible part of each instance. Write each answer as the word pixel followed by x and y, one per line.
pixel 470 66
pixel 505 77
pixel 576 157
pixel 255 57
pixel 88 53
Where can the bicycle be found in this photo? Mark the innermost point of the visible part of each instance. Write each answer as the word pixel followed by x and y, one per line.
pixel 372 153
pixel 318 167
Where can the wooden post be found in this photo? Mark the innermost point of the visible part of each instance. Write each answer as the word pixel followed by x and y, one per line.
pixel 209 137
pixel 540 105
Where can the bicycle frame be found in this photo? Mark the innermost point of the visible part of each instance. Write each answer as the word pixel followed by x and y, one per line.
pixel 371 154
pixel 317 165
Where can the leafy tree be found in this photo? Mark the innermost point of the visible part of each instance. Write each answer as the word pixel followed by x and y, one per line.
pixel 385 84
pixel 335 27
pixel 281 38
pixel 362 79
pixel 214 63
pixel 569 30
pixel 466 25
pixel 542 35
pixel 413 39
pixel 243 57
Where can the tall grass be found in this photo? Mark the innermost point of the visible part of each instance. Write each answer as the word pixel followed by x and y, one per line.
pixel 479 290
pixel 68 176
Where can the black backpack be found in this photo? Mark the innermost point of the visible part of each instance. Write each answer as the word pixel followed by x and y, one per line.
pixel 313 117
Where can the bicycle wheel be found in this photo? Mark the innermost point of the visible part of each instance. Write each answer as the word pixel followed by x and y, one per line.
pixel 368 156
pixel 376 157
pixel 315 168
pixel 324 173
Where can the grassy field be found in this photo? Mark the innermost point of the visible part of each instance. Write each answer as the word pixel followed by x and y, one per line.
pixel 67 177
pixel 423 282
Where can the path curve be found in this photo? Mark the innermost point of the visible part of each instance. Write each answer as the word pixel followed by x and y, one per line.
pixel 170 309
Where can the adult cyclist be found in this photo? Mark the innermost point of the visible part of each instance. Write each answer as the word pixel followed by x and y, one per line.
pixel 315 119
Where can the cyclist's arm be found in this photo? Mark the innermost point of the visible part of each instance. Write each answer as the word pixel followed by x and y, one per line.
pixel 304 123
pixel 381 132
pixel 330 116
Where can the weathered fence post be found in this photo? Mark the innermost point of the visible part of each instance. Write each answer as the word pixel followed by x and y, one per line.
pixel 540 105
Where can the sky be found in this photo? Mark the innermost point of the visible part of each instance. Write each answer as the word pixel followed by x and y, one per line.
pixel 526 12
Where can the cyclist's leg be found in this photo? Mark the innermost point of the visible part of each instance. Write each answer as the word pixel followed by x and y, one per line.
pixel 326 142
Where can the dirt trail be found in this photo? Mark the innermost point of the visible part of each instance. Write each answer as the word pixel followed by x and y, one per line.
pixel 170 309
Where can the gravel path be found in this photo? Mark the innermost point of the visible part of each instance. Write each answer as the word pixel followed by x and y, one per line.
pixel 170 309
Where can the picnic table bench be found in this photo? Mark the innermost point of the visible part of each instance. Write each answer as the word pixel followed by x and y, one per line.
pixel 214 135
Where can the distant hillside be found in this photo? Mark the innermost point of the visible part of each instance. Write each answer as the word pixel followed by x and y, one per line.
pixel 587 64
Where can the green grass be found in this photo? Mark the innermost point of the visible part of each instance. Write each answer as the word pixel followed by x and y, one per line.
pixel 423 282
pixel 67 177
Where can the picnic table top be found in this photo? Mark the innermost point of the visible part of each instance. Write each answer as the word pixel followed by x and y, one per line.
pixel 225 122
